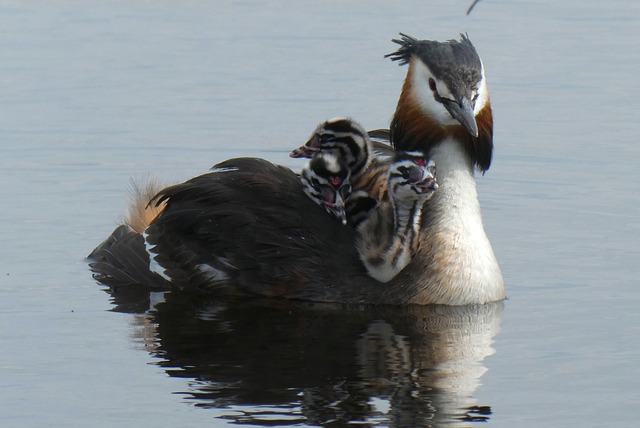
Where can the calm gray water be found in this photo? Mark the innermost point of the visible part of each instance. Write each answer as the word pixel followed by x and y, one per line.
pixel 95 93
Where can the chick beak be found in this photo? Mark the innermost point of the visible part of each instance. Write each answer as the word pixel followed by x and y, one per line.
pixel 309 149
pixel 303 152
pixel 338 210
pixel 427 184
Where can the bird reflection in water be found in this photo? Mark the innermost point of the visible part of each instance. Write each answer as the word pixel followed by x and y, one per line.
pixel 271 362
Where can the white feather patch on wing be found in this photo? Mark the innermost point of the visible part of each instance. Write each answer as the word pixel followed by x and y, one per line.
pixel 224 169
pixel 154 266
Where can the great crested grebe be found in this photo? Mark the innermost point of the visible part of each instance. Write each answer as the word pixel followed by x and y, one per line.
pixel 444 110
pixel 387 233
pixel 249 228
pixel 343 138
pixel 327 181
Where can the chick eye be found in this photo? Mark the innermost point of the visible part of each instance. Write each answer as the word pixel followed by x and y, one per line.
pixel 325 138
pixel 404 172
pixel 432 84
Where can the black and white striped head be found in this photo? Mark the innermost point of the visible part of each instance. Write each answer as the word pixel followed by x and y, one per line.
pixel 412 177
pixel 448 81
pixel 344 138
pixel 326 180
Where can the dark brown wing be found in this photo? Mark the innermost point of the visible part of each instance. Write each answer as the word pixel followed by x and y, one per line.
pixel 122 260
pixel 250 224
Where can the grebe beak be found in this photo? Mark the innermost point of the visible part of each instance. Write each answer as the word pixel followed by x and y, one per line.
pixel 463 113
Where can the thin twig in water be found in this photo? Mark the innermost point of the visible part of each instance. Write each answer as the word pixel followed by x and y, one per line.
pixel 472 6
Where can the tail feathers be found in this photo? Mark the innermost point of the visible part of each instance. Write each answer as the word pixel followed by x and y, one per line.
pixel 122 260
pixel 141 213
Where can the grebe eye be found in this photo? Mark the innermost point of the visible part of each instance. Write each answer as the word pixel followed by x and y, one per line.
pixel 432 84
pixel 421 161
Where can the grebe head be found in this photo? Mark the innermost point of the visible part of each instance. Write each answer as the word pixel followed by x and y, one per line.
pixel 445 94
pixel 412 177
pixel 326 180
pixel 344 138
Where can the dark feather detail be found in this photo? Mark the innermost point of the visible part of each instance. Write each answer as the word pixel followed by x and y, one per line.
pixel 122 260
pixel 380 134
pixel 438 55
pixel 483 144
pixel 359 206
pixel 408 46
pixel 381 143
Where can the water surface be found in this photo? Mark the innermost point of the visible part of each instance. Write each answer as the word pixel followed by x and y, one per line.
pixel 96 93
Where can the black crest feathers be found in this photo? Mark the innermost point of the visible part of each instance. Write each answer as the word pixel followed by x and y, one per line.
pixel 434 52
pixel 408 46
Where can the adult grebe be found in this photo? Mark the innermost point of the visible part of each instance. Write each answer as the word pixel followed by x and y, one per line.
pixel 250 229
pixel 444 110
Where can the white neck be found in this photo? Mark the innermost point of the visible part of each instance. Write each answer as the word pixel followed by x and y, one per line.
pixel 464 266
